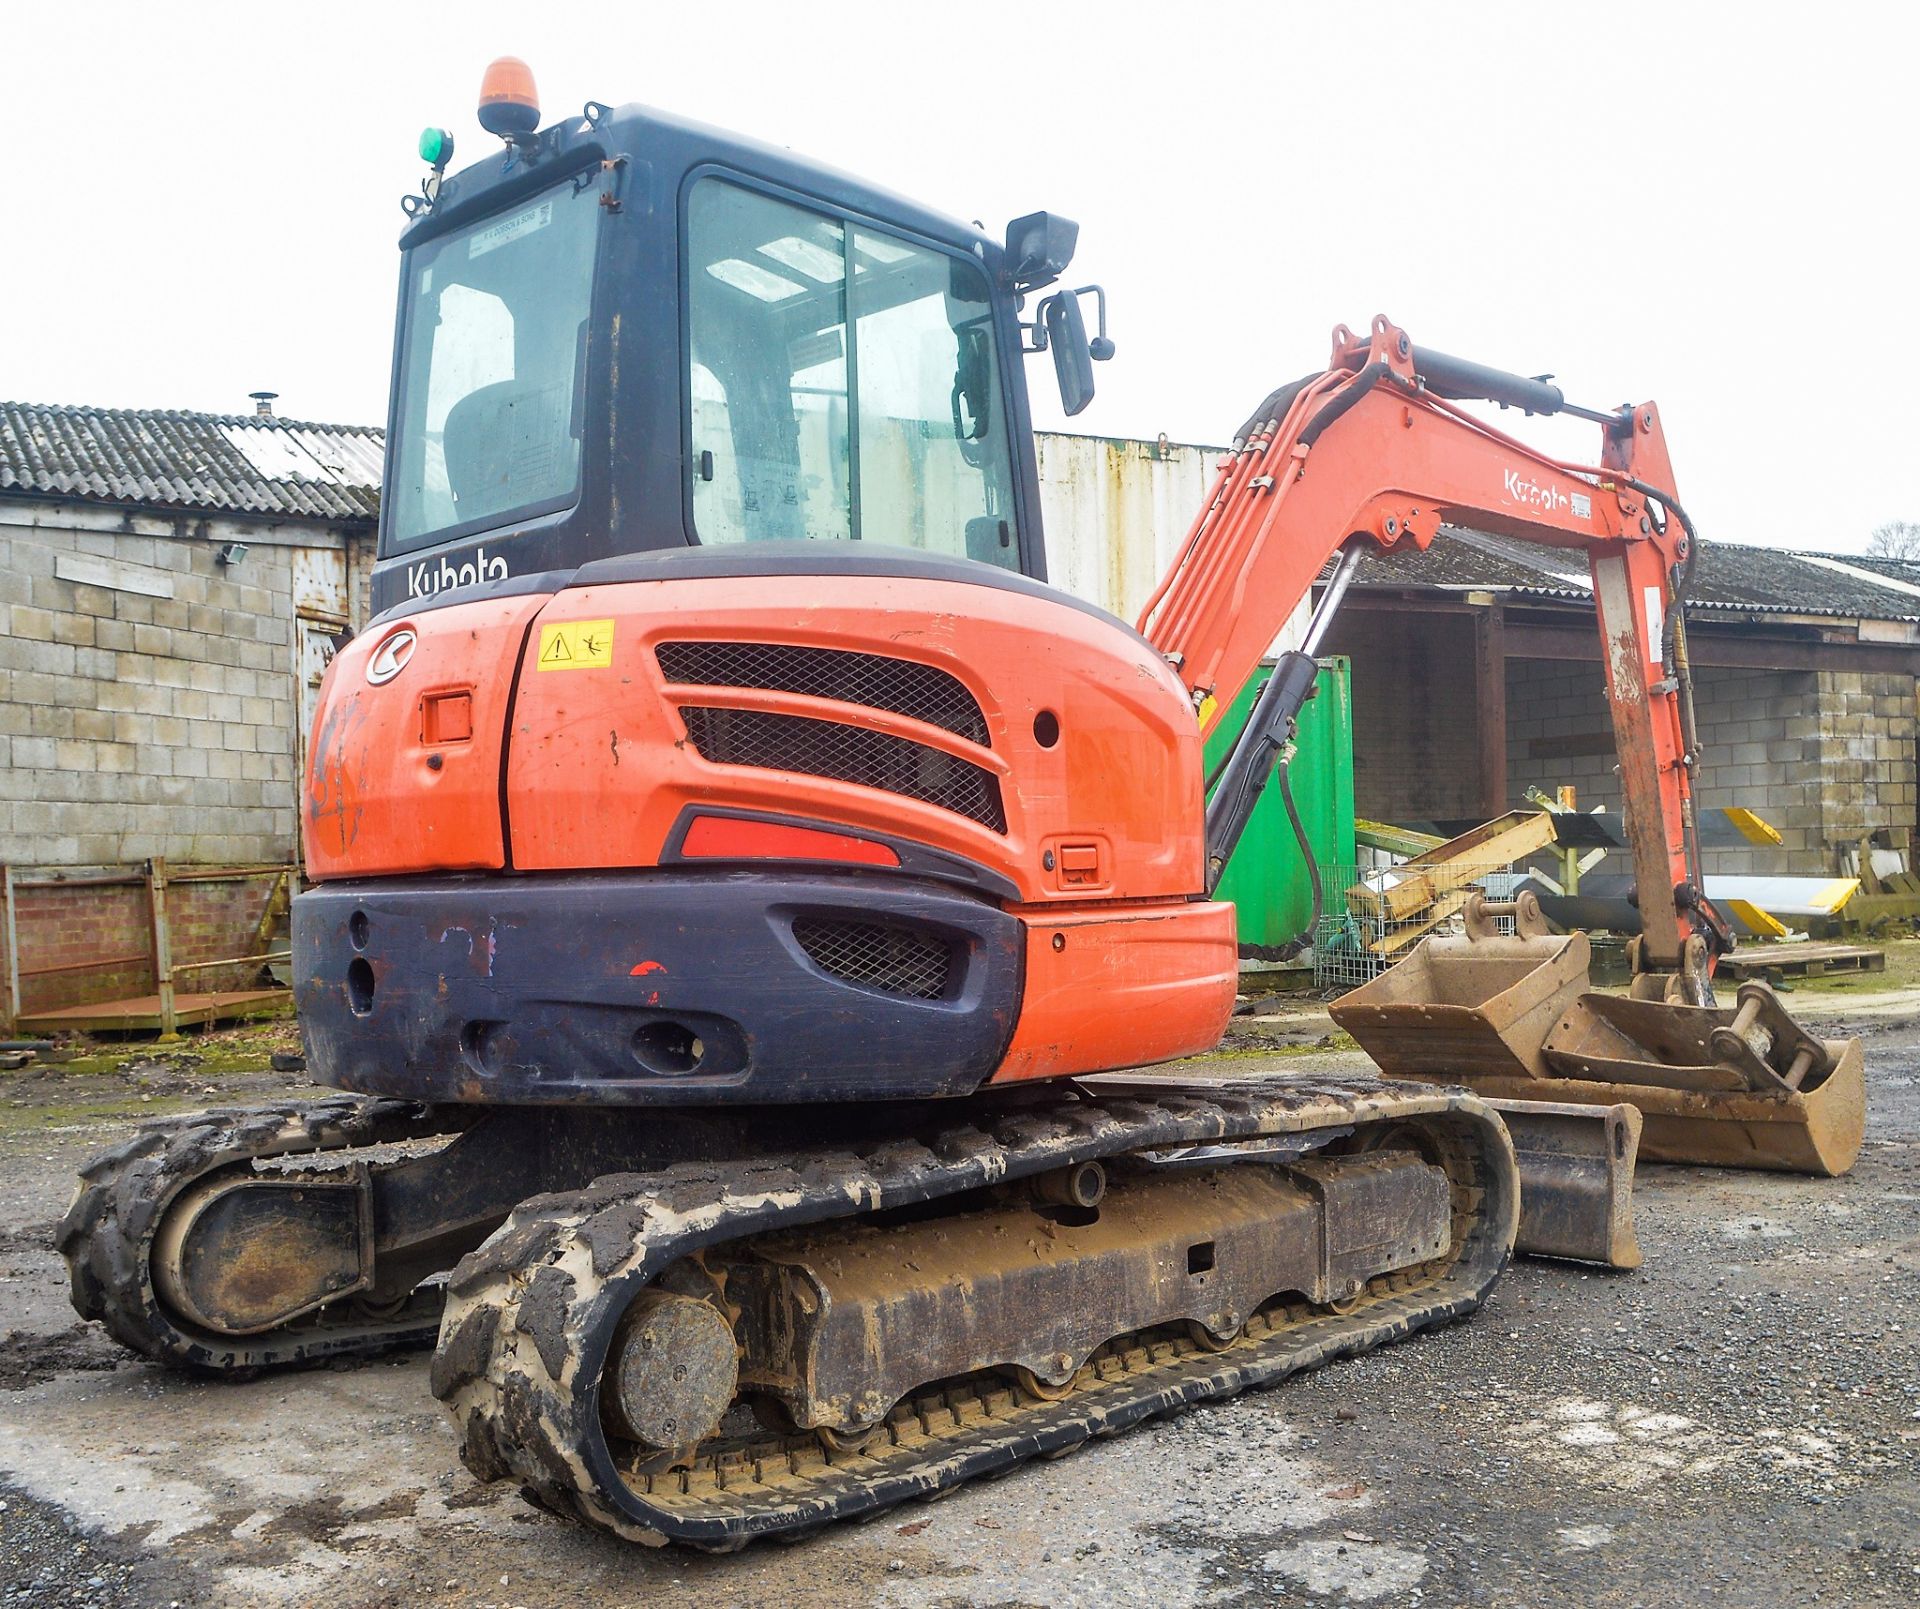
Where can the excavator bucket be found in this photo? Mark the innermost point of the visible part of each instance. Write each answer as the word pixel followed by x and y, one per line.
pixel 1740 1088
pixel 1460 1008
pixel 1576 1179
pixel 1477 1010
pixel 1514 1019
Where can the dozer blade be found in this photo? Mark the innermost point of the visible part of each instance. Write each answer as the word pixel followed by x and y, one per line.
pixel 1576 1179
pixel 1512 1017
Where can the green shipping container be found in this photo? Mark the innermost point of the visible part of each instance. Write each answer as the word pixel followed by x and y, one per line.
pixel 1267 878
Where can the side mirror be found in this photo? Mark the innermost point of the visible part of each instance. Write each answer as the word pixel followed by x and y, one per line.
pixel 1066 333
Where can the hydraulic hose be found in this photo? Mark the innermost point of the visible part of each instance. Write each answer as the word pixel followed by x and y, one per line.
pixel 1273 409
pixel 1304 939
pixel 1343 402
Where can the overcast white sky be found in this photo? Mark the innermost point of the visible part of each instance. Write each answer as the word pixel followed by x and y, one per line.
pixel 1713 208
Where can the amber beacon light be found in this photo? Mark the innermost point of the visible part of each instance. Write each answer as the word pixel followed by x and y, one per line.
pixel 509 104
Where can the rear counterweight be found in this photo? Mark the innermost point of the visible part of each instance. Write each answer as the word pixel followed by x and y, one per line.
pixel 672 988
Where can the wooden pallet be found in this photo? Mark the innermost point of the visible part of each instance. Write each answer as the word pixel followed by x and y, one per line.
pixel 141 1014
pixel 1801 960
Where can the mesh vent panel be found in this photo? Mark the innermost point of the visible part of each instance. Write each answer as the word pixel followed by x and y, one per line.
pixel 891 958
pixel 918 691
pixel 847 754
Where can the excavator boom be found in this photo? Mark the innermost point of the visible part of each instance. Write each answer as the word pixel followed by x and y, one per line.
pixel 1376 454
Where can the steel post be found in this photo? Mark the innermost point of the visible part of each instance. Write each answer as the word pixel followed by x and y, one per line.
pixel 162 946
pixel 12 940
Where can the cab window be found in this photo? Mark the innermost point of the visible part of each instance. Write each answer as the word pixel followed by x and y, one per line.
pixel 493 369
pixel 842 384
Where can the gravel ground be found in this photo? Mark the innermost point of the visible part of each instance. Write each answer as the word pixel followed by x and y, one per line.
pixel 1737 1422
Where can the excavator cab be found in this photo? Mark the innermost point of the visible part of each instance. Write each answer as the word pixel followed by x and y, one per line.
pixel 635 334
pixel 711 639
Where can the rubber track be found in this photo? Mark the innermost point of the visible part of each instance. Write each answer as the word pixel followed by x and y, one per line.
pixel 531 1314
pixel 108 1233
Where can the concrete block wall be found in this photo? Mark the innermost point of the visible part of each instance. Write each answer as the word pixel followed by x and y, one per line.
pixel 1415 716
pixel 135 725
pixel 1865 741
pixel 1819 754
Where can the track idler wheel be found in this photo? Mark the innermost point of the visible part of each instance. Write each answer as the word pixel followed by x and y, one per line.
pixel 675 1369
pixel 239 1254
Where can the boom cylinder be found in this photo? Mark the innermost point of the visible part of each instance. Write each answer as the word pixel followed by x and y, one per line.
pixel 1270 727
pixel 1463 380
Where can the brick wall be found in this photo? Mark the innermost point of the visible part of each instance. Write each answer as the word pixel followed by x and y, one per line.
pixel 77 930
pixel 89 941
pixel 135 725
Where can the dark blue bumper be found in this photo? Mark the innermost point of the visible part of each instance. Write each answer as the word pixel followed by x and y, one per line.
pixel 677 988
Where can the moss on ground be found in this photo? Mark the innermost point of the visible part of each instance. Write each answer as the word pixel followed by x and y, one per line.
pixel 1244 1045
pixel 18 1117
pixel 244 1047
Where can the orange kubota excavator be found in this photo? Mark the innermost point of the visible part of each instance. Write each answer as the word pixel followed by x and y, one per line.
pixel 729 860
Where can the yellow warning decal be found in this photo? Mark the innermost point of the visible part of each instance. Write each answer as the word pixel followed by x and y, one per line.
pixel 1208 706
pixel 576 645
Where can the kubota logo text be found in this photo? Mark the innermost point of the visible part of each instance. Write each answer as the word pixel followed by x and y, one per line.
pixel 423 580
pixel 1530 493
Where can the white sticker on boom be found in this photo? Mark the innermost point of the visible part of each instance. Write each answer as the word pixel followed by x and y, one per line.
pixel 508 230
pixel 1656 620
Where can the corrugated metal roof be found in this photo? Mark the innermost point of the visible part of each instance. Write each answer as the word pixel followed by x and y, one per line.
pixel 250 464
pixel 246 464
pixel 1727 578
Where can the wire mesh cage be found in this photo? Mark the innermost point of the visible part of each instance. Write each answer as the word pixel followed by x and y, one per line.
pixel 1372 916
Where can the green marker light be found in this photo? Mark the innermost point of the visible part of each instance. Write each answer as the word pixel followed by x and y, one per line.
pixel 436 147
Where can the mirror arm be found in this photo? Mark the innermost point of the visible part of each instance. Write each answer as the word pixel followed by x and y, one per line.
pixel 1100 348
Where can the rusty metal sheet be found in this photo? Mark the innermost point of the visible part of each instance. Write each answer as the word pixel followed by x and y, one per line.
pixel 320 583
pixel 1116 510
